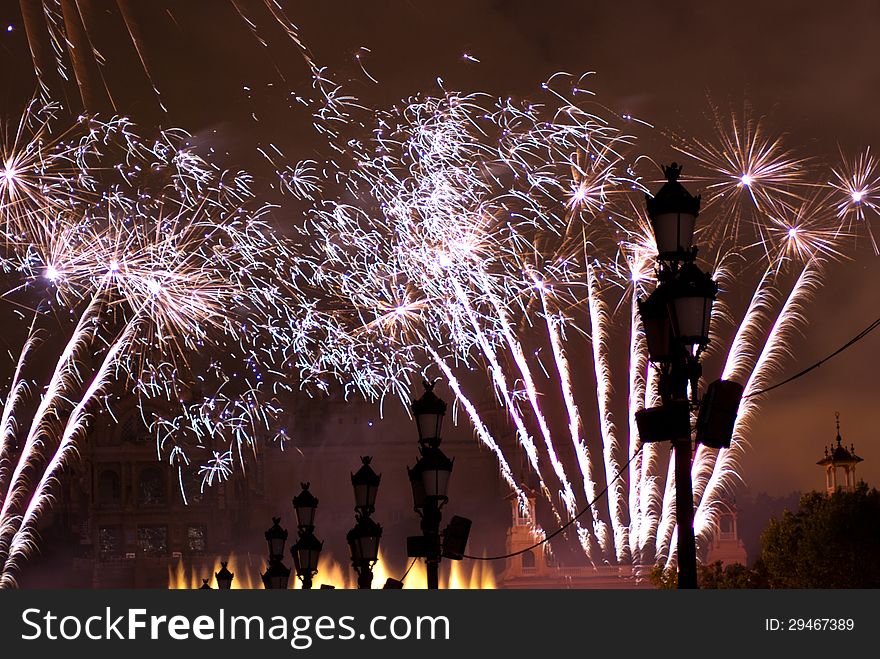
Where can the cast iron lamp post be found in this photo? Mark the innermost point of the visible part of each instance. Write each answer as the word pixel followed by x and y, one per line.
pixel 277 574
pixel 307 549
pixel 676 320
pixel 429 478
pixel 363 539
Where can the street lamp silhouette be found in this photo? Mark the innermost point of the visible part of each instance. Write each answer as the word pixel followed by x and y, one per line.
pixel 429 480
pixel 363 539
pixel 307 549
pixel 277 574
pixel 224 577
pixel 676 317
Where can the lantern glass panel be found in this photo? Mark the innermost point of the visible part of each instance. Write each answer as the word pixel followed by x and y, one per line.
pixel 429 425
pixel 368 548
pixel 436 482
pixel 418 487
pixel 658 335
pixel 276 546
pixel 305 515
pixel 365 495
pixel 674 232
pixel 690 319
pixel 307 560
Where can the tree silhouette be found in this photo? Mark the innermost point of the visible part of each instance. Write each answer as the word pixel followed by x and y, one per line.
pixel 833 541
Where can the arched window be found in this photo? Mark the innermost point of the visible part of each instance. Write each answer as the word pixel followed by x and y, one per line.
pixel 109 488
pixel 528 561
pixel 151 486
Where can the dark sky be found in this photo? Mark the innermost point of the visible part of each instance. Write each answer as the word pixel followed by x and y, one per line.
pixel 812 67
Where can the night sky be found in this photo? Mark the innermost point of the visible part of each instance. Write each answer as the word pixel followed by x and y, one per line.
pixel 811 67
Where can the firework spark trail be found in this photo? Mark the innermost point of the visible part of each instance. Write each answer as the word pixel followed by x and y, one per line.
pixel 581 450
pixel 500 379
pixel 776 348
pixel 30 16
pixel 738 366
pixel 482 431
pixel 79 47
pixel 63 377
pixel 137 41
pixel 651 496
pixel 132 226
pixel 24 539
pixel 532 393
pixel 665 536
pixel 600 530
pixel 17 389
pixel 599 321
pixel 638 356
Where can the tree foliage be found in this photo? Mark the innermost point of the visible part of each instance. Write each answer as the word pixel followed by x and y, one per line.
pixel 833 541
pixel 713 576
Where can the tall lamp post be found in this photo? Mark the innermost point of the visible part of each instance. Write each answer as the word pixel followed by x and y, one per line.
pixel 307 549
pixel 363 539
pixel 277 574
pixel 676 321
pixel 429 479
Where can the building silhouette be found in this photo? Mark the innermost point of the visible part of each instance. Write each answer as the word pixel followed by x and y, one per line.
pixel 535 567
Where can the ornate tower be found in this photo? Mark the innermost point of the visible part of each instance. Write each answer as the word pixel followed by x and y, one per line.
pixel 522 535
pixel 840 464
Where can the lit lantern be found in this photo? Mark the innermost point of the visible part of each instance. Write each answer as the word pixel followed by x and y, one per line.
pixel 673 212
pixel 690 300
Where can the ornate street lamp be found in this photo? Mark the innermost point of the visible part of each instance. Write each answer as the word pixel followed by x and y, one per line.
pixel 306 552
pixel 363 542
pixel 224 577
pixel 366 485
pixel 276 538
pixel 277 574
pixel 428 412
pixel 676 320
pixel 429 480
pixel 305 504
pixel 307 549
pixel 363 539
pixel 691 295
pixel 205 585
pixel 434 470
pixel 673 212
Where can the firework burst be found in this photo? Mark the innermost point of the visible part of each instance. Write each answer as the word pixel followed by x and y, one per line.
pixel 156 256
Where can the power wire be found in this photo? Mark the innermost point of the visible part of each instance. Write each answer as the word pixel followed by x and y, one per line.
pixel 858 337
pixel 403 578
pixel 564 526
